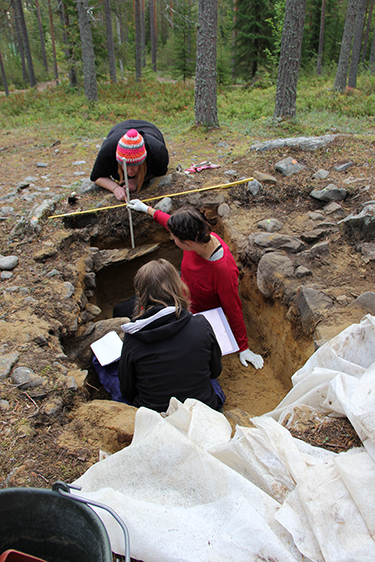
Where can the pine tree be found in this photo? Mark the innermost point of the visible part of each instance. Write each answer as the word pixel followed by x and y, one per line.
pixel 253 35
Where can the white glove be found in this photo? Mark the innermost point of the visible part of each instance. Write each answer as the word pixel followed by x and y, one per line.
pixel 253 358
pixel 137 205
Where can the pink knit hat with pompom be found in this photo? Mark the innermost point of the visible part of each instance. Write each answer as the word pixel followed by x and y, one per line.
pixel 131 147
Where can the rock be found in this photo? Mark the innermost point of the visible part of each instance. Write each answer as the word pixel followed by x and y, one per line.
pixel 70 383
pixel 311 305
pixel 361 226
pixel 302 271
pixel 7 211
pixel 162 181
pixel 270 225
pixel 254 187
pixel 165 205
pixel 79 377
pixel 335 210
pixel 274 269
pixel 87 186
pixel 6 364
pixel 320 249
pixel 92 310
pixel 25 378
pixel 68 290
pixel 79 163
pixel 90 280
pixel 4 405
pixel 104 258
pixel 53 273
pixel 231 173
pixel 314 235
pixel 6 275
pixel 223 144
pixel 321 175
pixel 368 251
pixel 264 178
pixel 343 167
pixel 104 424
pixel 223 210
pixel 45 209
pixel 53 407
pixel 288 166
pixel 41 165
pixel 8 263
pixel 329 193
pixel 306 143
pixel 279 241
pixel 366 301
pixel 315 216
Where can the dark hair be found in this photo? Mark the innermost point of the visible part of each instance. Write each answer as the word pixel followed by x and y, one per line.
pixel 159 283
pixel 188 223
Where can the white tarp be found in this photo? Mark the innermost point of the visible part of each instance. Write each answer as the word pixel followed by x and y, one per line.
pixel 187 491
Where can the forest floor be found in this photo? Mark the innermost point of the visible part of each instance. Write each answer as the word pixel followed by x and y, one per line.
pixel 29 453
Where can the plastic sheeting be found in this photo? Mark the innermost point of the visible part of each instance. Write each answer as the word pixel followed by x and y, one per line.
pixel 188 491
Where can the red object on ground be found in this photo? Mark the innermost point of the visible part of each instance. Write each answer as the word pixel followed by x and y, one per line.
pixel 16 556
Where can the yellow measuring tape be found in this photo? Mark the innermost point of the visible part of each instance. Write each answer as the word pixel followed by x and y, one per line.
pixel 220 186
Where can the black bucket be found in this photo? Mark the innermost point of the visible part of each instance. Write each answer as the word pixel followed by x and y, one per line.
pixel 53 527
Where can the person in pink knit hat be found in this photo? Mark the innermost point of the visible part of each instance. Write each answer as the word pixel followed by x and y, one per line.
pixel 142 146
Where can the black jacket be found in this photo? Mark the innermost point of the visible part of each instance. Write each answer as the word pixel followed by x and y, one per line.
pixel 157 154
pixel 170 357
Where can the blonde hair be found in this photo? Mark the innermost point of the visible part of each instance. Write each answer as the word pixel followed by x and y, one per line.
pixel 159 283
pixel 141 175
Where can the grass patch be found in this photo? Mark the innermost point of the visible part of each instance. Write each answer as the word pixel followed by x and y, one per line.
pixel 170 104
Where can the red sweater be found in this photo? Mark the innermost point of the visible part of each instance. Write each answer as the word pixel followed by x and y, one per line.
pixel 213 284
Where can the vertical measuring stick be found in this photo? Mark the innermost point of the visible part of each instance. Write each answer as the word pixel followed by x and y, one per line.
pixel 128 199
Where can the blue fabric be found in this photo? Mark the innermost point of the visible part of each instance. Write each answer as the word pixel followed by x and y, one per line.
pixel 109 379
pixel 218 391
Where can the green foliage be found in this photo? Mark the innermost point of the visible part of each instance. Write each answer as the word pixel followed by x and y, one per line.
pixel 57 111
pixel 253 35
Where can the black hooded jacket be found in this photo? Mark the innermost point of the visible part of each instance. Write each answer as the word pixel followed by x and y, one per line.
pixel 170 357
pixel 157 154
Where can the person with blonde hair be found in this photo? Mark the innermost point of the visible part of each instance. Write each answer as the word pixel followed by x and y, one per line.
pixel 142 146
pixel 208 268
pixel 167 351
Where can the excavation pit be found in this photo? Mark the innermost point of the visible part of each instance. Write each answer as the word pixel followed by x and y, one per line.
pixel 283 347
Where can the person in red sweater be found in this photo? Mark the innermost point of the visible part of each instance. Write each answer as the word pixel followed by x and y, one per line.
pixel 208 269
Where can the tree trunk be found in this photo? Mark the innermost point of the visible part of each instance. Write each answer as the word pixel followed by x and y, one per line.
pixel 88 57
pixel 53 42
pixel 110 44
pixel 234 36
pixel 26 45
pixel 367 33
pixel 143 33
pixel 205 72
pixel 153 33
pixel 69 55
pixel 42 43
pixel 357 44
pixel 321 39
pixel 3 76
pixel 346 46
pixel 290 58
pixel 138 40
pixel 371 62
pixel 19 41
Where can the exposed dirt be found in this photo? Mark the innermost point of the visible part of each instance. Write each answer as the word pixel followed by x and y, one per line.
pixel 30 454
